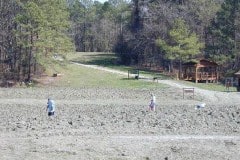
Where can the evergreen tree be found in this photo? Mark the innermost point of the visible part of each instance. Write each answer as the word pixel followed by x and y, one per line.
pixel 223 40
pixel 182 45
pixel 53 34
pixel 42 31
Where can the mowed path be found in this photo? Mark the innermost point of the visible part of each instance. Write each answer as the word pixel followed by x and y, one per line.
pixel 215 96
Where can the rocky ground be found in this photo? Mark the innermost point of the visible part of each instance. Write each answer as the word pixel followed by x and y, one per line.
pixel 114 124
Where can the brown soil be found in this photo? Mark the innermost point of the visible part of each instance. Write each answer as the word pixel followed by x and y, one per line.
pixel 107 123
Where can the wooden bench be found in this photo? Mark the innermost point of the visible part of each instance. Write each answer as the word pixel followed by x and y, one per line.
pixel 157 76
pixel 134 72
pixel 188 90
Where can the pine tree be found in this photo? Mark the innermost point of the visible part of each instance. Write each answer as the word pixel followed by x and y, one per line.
pixel 42 31
pixel 223 41
pixel 182 45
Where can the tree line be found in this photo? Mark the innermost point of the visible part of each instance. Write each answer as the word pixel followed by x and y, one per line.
pixel 31 31
pixel 164 33
pixel 168 33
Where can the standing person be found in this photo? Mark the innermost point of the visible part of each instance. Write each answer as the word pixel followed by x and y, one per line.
pixel 50 107
pixel 228 85
pixel 152 104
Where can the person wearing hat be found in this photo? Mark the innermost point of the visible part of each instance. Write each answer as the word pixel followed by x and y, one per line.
pixel 50 107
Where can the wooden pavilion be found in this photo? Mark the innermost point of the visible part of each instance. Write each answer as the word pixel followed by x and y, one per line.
pixel 201 70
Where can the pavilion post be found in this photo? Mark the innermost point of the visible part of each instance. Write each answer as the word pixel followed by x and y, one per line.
pixel 196 75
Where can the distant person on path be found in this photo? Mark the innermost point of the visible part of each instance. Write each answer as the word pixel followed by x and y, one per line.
pixel 50 107
pixel 152 104
pixel 228 84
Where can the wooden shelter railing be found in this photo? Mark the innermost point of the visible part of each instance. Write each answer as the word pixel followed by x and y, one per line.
pixel 203 70
pixel 201 76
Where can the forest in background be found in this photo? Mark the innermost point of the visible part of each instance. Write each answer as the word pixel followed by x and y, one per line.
pixel 160 33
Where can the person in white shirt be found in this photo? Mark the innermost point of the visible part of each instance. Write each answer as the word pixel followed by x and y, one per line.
pixel 152 105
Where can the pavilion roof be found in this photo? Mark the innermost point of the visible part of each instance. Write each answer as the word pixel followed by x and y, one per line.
pixel 201 63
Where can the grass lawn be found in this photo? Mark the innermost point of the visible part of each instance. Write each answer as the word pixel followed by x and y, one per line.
pixel 108 60
pixel 98 58
pixel 209 86
pixel 78 76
